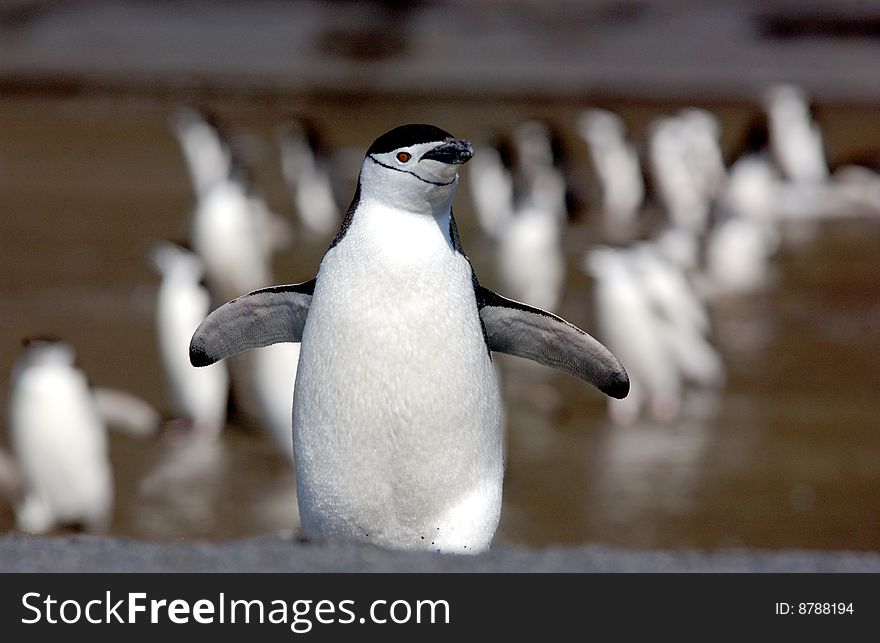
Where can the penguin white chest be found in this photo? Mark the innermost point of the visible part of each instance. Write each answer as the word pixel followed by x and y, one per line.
pixel 397 431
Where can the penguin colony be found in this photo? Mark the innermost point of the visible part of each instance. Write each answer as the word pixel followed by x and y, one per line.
pixel 385 358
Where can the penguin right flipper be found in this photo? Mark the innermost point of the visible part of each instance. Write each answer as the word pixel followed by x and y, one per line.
pixel 258 319
pixel 518 329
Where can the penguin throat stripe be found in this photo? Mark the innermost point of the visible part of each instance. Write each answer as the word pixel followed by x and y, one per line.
pixel 397 169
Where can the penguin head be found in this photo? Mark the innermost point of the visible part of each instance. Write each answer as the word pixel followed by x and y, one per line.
pixel 45 350
pixel 414 168
pixel 601 128
pixel 172 259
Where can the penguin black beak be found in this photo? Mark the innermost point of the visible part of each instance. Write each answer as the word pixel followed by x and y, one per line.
pixel 454 152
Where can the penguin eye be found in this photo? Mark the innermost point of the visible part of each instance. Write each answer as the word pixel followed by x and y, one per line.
pixel 403 157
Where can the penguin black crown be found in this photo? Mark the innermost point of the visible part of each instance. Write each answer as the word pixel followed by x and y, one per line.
pixel 397 429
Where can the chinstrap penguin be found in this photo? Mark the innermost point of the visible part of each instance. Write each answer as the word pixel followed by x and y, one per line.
pixel 59 440
pixel 197 396
pixel 397 411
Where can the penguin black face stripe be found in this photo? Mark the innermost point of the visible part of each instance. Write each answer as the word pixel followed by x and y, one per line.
pixel 397 169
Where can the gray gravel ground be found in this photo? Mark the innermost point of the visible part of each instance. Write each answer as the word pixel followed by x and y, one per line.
pixel 20 553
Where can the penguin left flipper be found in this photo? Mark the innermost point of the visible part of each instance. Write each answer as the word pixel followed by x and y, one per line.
pixel 518 329
pixel 258 319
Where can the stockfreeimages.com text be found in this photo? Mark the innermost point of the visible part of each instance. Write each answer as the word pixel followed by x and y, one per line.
pixel 300 615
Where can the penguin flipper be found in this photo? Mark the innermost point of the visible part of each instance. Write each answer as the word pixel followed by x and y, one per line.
pixel 532 333
pixel 263 317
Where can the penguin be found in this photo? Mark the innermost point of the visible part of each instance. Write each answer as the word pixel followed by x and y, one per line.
pixel 59 441
pixel 530 259
pixel 197 396
pixel 397 412
pixel 627 321
pixel 228 232
pixel 208 157
pixel 672 170
pixel 795 137
pixel 491 190
pixel 618 168
pixel 682 316
pixel 523 209
pixel 308 179
pixel 702 149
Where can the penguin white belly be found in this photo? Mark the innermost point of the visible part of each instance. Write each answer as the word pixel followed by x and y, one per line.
pixel 397 431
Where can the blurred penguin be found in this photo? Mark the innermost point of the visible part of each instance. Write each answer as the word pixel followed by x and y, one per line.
pixel 648 308
pixel 702 133
pixel 745 237
pixel 627 325
pixel 308 180
pixel 197 395
pixel 688 166
pixel 59 441
pixel 229 236
pixel 208 157
pixel 795 139
pixel 530 258
pixel 491 189
pixel 616 163
pixel 797 147
pixel 681 316
pixel 672 168
pixel 536 166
